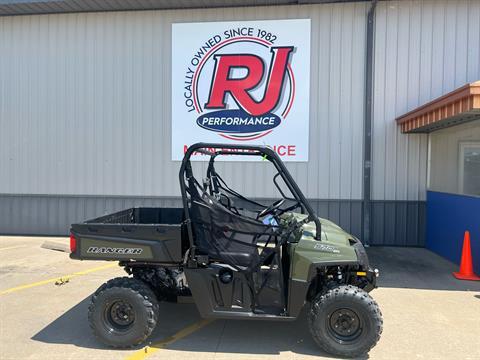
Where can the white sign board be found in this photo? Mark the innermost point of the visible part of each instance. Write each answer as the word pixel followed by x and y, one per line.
pixel 245 82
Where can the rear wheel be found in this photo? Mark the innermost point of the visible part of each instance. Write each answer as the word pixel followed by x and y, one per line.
pixel 123 312
pixel 345 321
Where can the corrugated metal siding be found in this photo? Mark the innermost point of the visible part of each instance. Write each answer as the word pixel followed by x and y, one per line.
pixel 398 223
pixel 394 222
pixel 11 7
pixel 85 103
pixel 52 215
pixel 85 110
pixel 423 49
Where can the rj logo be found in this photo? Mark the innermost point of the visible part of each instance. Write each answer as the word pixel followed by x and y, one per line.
pixel 240 88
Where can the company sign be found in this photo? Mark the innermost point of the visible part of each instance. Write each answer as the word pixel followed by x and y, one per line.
pixel 241 83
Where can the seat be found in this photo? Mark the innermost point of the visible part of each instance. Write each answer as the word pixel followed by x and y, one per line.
pixel 228 237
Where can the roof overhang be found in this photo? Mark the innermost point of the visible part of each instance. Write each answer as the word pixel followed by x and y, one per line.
pixel 31 7
pixel 456 107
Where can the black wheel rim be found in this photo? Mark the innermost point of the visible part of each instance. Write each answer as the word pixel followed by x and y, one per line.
pixel 119 315
pixel 344 325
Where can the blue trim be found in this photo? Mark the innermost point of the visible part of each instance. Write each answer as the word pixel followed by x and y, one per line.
pixel 448 217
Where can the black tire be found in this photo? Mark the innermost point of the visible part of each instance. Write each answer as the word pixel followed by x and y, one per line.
pixel 345 321
pixel 123 312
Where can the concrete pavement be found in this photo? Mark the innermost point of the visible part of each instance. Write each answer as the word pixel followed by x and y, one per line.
pixel 427 313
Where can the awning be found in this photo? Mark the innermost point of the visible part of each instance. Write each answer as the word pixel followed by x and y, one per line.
pixel 456 107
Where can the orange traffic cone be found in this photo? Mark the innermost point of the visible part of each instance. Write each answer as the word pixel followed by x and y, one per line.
pixel 466 265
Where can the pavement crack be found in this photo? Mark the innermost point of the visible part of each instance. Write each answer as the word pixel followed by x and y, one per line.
pixel 220 338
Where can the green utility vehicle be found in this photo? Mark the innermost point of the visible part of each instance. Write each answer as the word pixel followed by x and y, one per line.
pixel 236 257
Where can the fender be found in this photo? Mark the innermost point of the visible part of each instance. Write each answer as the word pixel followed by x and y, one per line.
pixel 298 288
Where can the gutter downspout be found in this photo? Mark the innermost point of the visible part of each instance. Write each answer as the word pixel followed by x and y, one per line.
pixel 367 129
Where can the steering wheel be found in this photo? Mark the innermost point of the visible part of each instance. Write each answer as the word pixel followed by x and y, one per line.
pixel 271 208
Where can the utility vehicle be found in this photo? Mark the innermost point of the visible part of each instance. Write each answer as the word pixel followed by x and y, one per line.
pixel 236 257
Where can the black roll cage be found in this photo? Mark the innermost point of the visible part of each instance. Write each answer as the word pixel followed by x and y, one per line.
pixel 186 173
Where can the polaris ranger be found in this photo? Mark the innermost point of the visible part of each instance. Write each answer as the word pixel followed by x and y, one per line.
pixel 236 257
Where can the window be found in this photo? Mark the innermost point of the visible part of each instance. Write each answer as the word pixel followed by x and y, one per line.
pixel 469 181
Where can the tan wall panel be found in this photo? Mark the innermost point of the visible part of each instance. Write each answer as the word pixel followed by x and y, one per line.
pixel 445 155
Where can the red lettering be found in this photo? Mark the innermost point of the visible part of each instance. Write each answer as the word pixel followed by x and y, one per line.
pixel 291 150
pixel 239 88
pixel 281 150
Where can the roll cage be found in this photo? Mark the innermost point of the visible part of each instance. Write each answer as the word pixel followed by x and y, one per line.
pixel 214 183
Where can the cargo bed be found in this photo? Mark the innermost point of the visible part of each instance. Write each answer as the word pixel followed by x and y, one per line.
pixel 137 234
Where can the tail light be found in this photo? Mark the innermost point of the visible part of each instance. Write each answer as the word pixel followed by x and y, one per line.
pixel 73 243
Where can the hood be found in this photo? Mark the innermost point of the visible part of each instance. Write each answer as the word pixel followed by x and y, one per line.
pixel 331 232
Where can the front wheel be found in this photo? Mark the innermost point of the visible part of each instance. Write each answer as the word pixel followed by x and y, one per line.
pixel 345 321
pixel 123 312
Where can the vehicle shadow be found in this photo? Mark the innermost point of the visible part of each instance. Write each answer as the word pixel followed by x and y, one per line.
pixel 416 268
pixel 220 336
pixel 70 328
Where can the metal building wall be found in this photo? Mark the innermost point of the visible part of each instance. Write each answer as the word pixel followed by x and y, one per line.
pixel 423 49
pixel 85 110
pixel 85 115
pixel 52 214
pixel 86 103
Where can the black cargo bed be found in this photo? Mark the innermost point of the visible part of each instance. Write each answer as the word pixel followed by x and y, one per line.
pixel 141 215
pixel 137 234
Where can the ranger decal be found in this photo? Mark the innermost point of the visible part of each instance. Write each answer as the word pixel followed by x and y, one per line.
pixel 109 250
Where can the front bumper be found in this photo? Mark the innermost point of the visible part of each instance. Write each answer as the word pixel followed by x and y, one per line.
pixel 372 275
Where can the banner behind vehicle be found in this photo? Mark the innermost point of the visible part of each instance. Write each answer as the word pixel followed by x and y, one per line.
pixel 245 82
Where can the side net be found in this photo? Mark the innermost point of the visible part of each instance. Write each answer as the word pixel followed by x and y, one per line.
pixel 241 242
pixel 226 228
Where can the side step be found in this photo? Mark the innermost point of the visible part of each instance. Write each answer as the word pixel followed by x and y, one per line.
pixel 216 314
